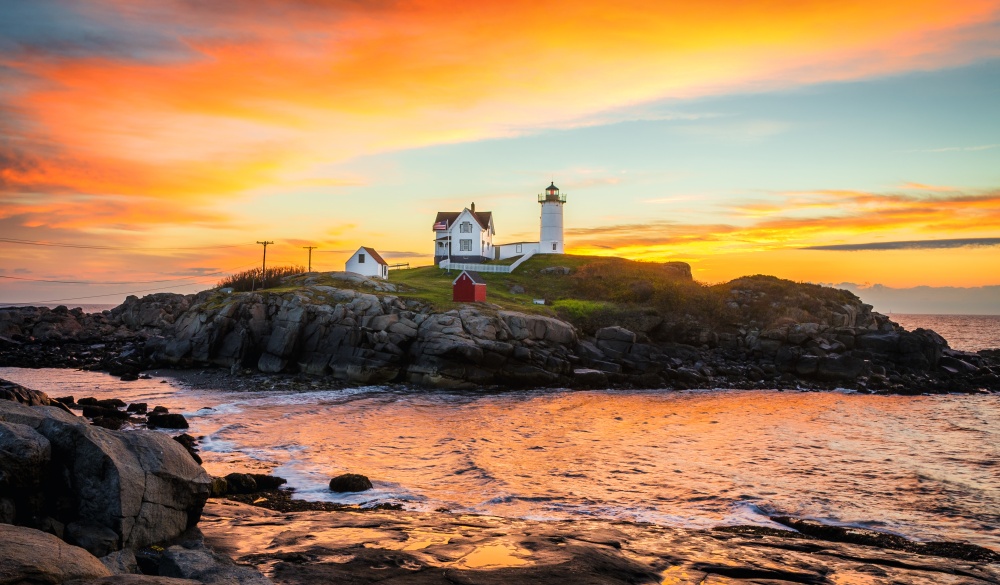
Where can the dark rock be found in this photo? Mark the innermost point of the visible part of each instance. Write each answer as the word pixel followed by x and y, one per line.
pixel 350 482
pixel 854 535
pixel 160 410
pixel 89 401
pixel 67 400
pixel 100 411
pixel 110 423
pixel 268 482
pixel 563 270
pixel 189 443
pixel 241 483
pixel 111 403
pixel 129 377
pixel 96 539
pixel 220 487
pixel 957 366
pixel 167 421
pixel 137 407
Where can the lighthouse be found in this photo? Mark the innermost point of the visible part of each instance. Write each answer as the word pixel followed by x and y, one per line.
pixel 551 234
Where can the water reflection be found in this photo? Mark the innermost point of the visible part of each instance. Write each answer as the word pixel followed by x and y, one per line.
pixel 925 467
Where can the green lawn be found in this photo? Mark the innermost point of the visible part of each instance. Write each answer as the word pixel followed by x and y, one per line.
pixel 601 291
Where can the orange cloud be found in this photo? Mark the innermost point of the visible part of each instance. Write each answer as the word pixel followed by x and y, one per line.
pixel 257 97
pixel 802 219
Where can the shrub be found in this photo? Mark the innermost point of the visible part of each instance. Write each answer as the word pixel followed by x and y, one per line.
pixel 251 279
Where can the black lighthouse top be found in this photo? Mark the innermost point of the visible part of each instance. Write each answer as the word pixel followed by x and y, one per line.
pixel 551 194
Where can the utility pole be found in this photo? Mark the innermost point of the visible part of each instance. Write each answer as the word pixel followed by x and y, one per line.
pixel 310 248
pixel 263 264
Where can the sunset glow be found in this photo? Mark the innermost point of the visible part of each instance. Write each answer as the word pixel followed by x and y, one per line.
pixel 160 140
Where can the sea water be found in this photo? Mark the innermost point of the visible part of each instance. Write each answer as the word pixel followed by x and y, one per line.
pixel 925 467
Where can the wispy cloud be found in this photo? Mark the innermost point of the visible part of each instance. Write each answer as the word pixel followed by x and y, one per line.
pixel 958 148
pixel 911 245
pixel 818 220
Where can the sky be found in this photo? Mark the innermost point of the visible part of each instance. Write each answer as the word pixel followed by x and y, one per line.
pixel 146 146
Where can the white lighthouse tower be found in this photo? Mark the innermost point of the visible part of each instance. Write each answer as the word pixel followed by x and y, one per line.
pixel 551 237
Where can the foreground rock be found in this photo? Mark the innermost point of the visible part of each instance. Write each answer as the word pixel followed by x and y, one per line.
pixel 417 548
pixel 100 489
pixel 32 556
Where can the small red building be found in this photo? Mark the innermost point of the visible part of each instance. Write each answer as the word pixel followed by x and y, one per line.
pixel 469 287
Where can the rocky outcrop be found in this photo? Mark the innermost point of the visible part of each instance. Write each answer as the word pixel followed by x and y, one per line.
pixel 776 334
pixel 102 490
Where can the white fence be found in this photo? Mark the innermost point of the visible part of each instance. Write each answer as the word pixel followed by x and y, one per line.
pixel 495 268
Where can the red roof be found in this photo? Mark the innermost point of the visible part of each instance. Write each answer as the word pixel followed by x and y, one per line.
pixel 475 277
pixel 374 255
pixel 483 217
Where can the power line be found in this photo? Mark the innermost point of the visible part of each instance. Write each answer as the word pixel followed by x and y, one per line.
pixel 89 282
pixel 111 294
pixel 95 247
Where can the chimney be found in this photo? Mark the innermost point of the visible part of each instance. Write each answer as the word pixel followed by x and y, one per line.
pixel 473 208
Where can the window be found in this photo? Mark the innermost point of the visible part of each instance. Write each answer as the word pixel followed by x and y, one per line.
pixel 361 258
pixel 465 227
pixel 517 248
pixel 465 245
pixel 553 245
pixel 440 243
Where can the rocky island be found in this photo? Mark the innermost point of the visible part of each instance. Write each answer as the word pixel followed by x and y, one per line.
pixel 605 322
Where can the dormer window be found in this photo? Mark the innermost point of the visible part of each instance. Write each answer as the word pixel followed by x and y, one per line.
pixel 361 258
pixel 465 227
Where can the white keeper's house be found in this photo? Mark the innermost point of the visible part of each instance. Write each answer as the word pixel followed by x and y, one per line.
pixel 467 236
pixel 366 261
pixel 464 236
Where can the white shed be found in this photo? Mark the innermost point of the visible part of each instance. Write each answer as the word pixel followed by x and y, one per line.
pixel 367 262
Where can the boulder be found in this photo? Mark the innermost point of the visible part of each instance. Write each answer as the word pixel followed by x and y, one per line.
pixel 350 482
pixel 32 556
pixel 141 485
pixel 561 270
pixel 167 421
pixel 240 483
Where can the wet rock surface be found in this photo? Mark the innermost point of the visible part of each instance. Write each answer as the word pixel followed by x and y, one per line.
pixel 413 548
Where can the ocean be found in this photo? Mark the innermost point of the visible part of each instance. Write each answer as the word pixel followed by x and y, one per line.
pixel 964 332
pixel 926 467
